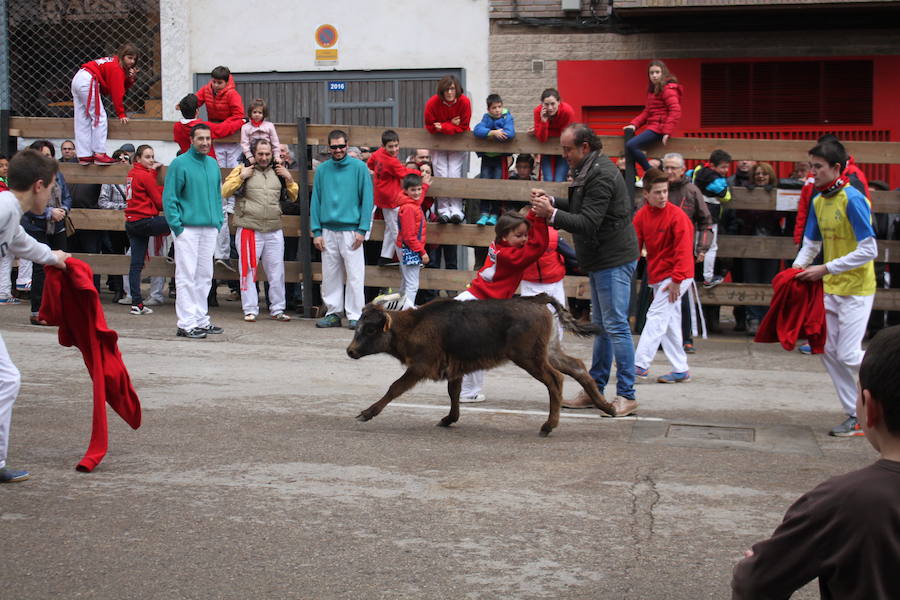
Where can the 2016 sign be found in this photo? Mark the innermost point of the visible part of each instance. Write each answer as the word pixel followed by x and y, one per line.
pixel 337 86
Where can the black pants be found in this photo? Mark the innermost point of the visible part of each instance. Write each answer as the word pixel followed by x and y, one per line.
pixel 139 233
pixel 56 241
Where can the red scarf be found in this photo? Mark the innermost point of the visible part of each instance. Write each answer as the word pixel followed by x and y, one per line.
pixel 248 258
pixel 827 190
pixel 257 123
pixel 72 303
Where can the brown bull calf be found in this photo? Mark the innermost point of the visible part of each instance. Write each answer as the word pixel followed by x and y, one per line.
pixel 446 339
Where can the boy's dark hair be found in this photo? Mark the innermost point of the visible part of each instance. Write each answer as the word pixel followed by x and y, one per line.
pixel 718 157
pixel 831 152
pixel 411 180
pixel 494 99
pixel 388 136
pixel 128 49
pixel 29 166
pixel 119 154
pixel 256 143
pixel 258 103
pixel 827 137
pixel 652 177
pixel 221 72
pixel 335 134
pixel 525 158
pixel 4 157
pixel 507 222
pixel 139 151
pixel 550 92
pixel 445 83
pixel 188 106
pixel 584 134
pixel 198 127
pixel 879 374
pixel 43 144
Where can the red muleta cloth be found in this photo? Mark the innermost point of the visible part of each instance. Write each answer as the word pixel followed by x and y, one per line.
pixel 72 303
pixel 797 311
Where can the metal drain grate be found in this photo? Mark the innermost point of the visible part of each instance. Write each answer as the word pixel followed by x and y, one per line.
pixel 711 432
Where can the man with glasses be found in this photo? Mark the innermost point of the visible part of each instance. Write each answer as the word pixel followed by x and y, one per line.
pixel 340 217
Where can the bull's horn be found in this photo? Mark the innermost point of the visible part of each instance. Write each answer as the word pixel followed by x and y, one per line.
pixel 387 321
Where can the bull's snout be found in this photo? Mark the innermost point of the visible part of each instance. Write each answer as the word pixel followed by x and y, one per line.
pixel 351 352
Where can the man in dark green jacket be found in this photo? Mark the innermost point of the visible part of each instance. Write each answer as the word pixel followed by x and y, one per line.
pixel 598 213
pixel 192 203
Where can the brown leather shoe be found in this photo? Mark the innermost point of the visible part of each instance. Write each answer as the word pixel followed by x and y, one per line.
pixel 582 400
pixel 624 406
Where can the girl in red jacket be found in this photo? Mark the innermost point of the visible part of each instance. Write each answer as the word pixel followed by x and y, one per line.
pixel 111 76
pixel 551 116
pixel 411 236
pixel 448 112
pixel 519 242
pixel 142 222
pixel 660 116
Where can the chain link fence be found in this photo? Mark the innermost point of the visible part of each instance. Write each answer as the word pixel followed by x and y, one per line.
pixel 49 40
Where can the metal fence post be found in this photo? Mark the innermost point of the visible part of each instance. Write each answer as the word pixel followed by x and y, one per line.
pixel 5 141
pixel 305 241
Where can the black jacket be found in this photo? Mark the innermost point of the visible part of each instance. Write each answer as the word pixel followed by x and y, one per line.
pixel 598 213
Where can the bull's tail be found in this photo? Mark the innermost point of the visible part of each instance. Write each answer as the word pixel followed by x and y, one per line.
pixel 568 322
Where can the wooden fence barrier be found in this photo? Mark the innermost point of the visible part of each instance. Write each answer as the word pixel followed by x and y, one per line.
pixel 511 191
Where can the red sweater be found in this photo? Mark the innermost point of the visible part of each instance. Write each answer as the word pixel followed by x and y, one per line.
pixel 438 111
pixel 225 104
pixel 668 235
pixel 797 311
pixel 113 81
pixel 388 176
pixel 554 126
pixel 550 267
pixel 662 112
pixel 144 195
pixel 505 264
pixel 412 230
pixel 181 131
pixel 809 190
pixel 72 303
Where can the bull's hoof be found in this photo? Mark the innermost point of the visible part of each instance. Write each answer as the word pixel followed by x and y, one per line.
pixel 545 430
pixel 445 422
pixel 363 417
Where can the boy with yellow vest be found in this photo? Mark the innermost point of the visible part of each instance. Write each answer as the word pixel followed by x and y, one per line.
pixel 841 221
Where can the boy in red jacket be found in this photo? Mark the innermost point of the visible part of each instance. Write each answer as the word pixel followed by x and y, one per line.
pixel 667 235
pixel 388 172
pixel 411 235
pixel 222 102
pixel 112 76
pixel 519 242
pixel 181 130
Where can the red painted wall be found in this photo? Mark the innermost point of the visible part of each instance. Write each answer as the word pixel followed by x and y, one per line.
pixel 598 83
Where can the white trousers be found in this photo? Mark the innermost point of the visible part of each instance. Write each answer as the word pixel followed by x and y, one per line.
pixel 343 274
pixel 556 290
pixel 193 275
pixel 228 155
pixel 6 264
pixel 846 318
pixel 663 325
pixel 473 382
pixel 389 245
pixel 9 389
pixel 89 139
pixel 409 284
pixel 269 254
pixel 24 275
pixel 709 260
pixel 448 164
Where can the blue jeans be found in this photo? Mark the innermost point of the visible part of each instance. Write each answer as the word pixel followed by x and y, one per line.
pixel 610 299
pixel 634 145
pixel 139 234
pixel 491 168
pixel 554 167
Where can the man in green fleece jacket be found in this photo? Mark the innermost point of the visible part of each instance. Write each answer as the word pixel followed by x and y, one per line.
pixel 192 203
pixel 340 216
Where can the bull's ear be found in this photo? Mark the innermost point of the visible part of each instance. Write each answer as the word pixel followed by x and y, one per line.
pixel 387 321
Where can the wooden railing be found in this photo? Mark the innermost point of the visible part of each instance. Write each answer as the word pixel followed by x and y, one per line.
pixel 472 235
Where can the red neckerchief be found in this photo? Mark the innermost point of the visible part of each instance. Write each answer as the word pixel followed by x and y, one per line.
pixel 827 190
pixel 248 258
pixel 256 123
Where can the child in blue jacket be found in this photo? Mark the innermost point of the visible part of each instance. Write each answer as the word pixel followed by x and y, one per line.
pixel 497 124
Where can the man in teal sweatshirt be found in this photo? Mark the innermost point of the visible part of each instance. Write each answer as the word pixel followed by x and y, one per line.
pixel 192 202
pixel 340 215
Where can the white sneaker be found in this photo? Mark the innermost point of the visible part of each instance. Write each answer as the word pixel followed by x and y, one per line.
pixel 140 310
pixel 153 302
pixel 472 399
pixel 125 300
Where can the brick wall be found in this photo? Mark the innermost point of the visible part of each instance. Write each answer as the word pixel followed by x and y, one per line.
pixel 512 50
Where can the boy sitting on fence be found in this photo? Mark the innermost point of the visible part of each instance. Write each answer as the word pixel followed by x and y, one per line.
pixel 498 125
